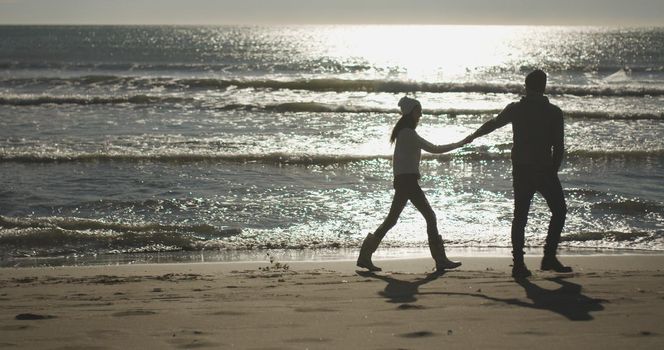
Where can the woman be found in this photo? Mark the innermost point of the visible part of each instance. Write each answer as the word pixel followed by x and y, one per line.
pixel 406 164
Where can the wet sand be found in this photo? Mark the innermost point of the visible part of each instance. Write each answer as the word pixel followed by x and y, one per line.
pixel 609 302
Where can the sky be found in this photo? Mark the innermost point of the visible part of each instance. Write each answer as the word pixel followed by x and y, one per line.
pixel 517 12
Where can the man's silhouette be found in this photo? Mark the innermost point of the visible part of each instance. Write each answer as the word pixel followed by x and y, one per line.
pixel 537 154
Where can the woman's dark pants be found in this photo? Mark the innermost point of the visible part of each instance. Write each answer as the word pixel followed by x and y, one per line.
pixel 407 189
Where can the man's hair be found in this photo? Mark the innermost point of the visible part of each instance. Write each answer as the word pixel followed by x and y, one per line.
pixel 536 81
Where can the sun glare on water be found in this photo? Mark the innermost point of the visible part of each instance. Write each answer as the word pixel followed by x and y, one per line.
pixel 425 53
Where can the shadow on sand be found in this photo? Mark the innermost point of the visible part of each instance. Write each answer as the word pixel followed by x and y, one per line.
pixel 567 300
pixel 399 291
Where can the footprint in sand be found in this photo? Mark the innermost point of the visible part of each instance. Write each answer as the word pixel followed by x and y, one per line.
pixel 191 339
pixel 308 340
pixel 33 317
pixel 104 333
pixel 84 347
pixel 15 327
pixel 312 309
pixel 228 313
pixel 194 344
pixel 134 313
pixel 420 334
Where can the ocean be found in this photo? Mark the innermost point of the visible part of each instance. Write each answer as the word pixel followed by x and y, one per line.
pixel 228 139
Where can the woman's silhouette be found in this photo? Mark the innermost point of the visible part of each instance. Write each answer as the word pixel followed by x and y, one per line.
pixel 406 164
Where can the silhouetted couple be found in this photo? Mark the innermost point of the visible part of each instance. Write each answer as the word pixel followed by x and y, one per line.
pixel 537 154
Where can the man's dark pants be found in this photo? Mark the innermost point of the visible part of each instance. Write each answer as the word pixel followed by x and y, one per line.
pixel 527 180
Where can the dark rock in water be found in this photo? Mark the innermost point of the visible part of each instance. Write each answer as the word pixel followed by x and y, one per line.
pixel 33 317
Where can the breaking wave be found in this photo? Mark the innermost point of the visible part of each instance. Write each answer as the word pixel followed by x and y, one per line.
pixel 49 236
pixel 283 158
pixel 336 85
pixel 77 224
pixel 68 236
pixel 293 107
pixel 31 100
pixel 629 207
pixel 612 236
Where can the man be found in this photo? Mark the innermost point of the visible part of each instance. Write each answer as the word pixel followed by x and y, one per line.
pixel 537 154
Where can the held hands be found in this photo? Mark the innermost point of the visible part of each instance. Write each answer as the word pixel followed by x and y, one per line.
pixel 453 146
pixel 463 142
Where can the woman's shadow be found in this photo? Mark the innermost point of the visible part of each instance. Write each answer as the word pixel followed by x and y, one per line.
pixel 399 291
pixel 567 300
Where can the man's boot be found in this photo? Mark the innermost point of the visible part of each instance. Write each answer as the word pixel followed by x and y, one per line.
pixel 551 263
pixel 369 246
pixel 519 269
pixel 437 249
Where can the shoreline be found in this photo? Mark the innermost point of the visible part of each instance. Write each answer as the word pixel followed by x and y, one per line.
pixel 609 302
pixel 294 255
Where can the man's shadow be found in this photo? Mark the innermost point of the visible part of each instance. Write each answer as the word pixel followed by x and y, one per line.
pixel 568 300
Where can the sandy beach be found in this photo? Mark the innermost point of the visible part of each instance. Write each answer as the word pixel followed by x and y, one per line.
pixel 612 302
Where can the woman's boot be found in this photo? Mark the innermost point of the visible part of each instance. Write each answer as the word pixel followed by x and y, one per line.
pixel 369 246
pixel 437 249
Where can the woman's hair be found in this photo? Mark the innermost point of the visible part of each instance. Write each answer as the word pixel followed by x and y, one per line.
pixel 407 106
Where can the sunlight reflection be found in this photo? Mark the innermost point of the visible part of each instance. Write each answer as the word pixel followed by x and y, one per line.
pixel 425 52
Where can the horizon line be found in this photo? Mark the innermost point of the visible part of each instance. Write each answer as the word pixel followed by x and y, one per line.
pixel 624 25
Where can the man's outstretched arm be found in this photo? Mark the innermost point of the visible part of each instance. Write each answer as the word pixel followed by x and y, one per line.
pixel 504 118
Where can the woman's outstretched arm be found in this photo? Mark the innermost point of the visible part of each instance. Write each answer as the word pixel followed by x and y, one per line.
pixel 431 148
